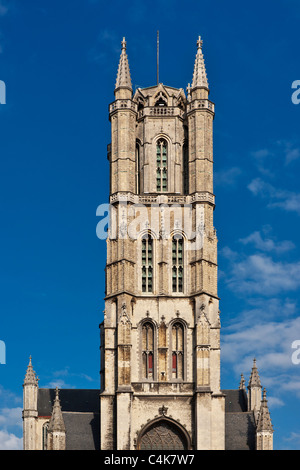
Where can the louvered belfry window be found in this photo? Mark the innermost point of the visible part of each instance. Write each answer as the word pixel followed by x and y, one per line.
pixel 161 165
pixel 147 263
pixel 177 264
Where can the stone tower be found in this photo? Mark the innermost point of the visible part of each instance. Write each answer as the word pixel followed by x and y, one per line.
pixel 30 411
pixel 160 338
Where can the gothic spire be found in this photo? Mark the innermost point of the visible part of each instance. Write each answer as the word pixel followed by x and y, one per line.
pixel 254 380
pixel 199 76
pixel 56 423
pixel 123 76
pixel 30 376
pixel 264 420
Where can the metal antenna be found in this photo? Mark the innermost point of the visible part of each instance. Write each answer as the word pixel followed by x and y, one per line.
pixel 157 57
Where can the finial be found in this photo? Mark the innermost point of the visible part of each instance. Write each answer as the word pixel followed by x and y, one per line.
pixel 199 42
pixel 242 383
pixel 123 44
pixel 264 395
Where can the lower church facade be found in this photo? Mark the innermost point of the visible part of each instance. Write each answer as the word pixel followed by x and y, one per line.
pixel 160 338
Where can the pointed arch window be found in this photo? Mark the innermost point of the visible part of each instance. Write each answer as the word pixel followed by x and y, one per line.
pixel 147 263
pixel 45 435
pixel 177 263
pixel 137 169
pixel 185 169
pixel 161 165
pixel 147 350
pixel 177 350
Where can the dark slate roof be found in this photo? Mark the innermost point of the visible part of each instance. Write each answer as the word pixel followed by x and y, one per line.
pixel 82 431
pixel 82 401
pixel 240 428
pixel 240 431
pixel 235 400
pixel 81 414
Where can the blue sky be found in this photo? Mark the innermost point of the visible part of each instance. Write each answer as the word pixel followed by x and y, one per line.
pixel 59 62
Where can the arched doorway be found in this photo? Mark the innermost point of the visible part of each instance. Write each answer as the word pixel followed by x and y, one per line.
pixel 163 434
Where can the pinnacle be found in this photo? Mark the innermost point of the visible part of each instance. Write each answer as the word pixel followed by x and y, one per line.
pixel 56 423
pixel 123 76
pixel 254 380
pixel 242 383
pixel 30 376
pixel 199 76
pixel 264 420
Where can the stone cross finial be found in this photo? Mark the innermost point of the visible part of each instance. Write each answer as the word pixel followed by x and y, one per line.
pixel 199 42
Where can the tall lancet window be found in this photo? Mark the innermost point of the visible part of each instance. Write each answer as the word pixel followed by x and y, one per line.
pixel 147 350
pixel 185 167
pixel 177 263
pixel 177 350
pixel 147 263
pixel 44 435
pixel 137 169
pixel 161 165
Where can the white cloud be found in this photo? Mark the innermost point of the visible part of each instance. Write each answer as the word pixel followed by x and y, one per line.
pixel 290 150
pixel 284 199
pixel 262 159
pixel 228 177
pixel 108 45
pixel 285 151
pixel 59 383
pixel 269 340
pixel 267 244
pixel 294 437
pixel 8 398
pixel 259 274
pixel 270 343
pixel 275 402
pixel 9 441
pixel 11 417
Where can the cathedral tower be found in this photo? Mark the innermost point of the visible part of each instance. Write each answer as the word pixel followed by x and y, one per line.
pixel 160 339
